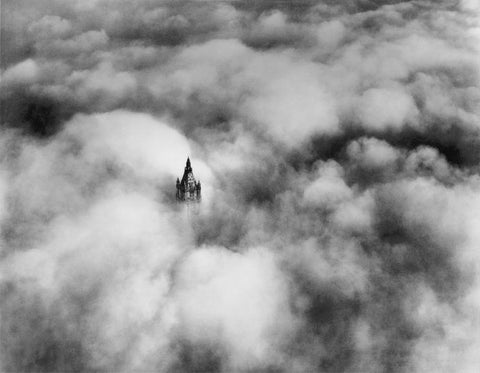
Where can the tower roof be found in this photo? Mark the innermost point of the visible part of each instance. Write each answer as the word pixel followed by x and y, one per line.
pixel 188 173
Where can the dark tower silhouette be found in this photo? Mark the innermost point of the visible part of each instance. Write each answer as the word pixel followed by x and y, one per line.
pixel 188 190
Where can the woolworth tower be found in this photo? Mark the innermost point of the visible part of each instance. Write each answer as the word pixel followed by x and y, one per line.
pixel 188 190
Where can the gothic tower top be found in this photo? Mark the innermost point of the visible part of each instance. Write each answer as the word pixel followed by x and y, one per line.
pixel 188 190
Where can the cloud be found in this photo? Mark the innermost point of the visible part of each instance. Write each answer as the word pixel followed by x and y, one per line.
pixel 86 42
pixel 290 108
pixel 214 284
pixel 158 157
pixel 337 146
pixel 372 153
pixel 25 72
pixel 50 27
pixel 273 29
pixel 380 109
pixel 328 189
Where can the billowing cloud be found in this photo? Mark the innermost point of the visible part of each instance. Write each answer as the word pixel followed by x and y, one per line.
pixel 338 148
pixel 25 72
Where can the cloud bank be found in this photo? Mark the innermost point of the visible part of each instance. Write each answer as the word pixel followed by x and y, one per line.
pixel 338 145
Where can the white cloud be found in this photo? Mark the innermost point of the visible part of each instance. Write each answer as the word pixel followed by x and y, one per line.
pixel 23 73
pixel 239 300
pixel 328 189
pixel 372 153
pixel 162 153
pixel 50 27
pixel 381 109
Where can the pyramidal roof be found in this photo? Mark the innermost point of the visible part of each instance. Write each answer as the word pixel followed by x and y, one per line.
pixel 188 172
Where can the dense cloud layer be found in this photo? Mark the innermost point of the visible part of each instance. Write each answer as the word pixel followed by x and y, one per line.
pixel 338 145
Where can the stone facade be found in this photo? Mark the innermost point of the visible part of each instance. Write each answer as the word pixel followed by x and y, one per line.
pixel 188 189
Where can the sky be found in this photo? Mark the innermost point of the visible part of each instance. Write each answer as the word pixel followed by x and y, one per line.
pixel 338 147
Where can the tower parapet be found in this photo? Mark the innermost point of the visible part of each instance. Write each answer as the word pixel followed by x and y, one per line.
pixel 188 189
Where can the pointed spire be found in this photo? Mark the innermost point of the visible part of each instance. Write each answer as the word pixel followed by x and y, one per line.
pixel 188 167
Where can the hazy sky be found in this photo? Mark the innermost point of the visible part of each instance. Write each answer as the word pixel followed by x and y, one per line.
pixel 338 146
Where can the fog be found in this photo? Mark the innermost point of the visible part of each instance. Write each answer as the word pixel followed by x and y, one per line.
pixel 338 147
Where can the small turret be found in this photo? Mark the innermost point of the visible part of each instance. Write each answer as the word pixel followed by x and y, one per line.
pixel 198 188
